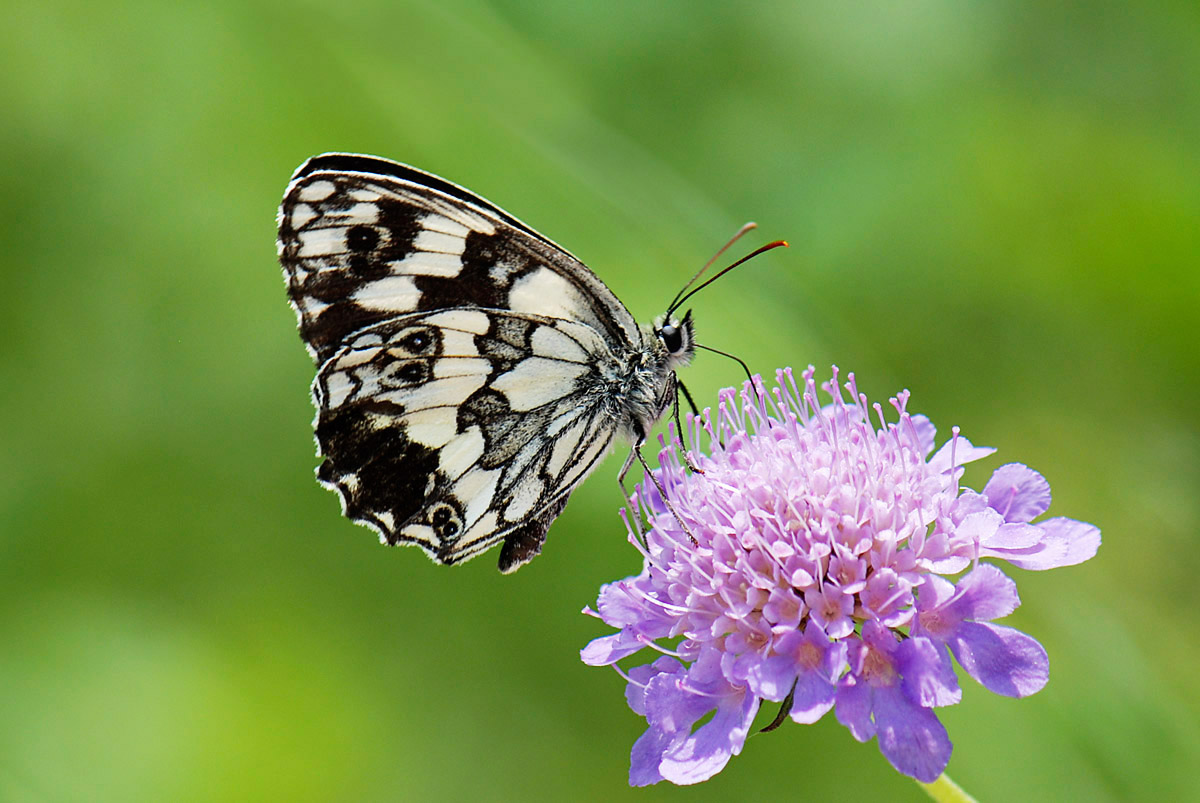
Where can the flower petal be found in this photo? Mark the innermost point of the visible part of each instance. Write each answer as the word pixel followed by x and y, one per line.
pixel 1065 542
pixel 985 594
pixel 853 709
pixel 609 649
pixel 961 450
pixel 647 754
pixel 706 752
pixel 772 678
pixel 926 432
pixel 813 697
pixel 641 676
pixel 1003 660
pixel 673 707
pixel 1018 492
pixel 979 528
pixel 911 738
pixel 1015 536
pixel 927 678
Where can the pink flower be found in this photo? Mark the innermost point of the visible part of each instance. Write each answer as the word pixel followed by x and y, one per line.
pixel 816 579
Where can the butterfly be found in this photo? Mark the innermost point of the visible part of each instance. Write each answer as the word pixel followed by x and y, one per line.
pixel 470 371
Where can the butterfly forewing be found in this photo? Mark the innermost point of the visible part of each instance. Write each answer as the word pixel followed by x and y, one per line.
pixel 359 248
pixel 470 371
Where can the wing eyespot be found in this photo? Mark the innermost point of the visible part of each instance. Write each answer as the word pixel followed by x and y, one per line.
pixel 445 520
pixel 418 341
pixel 406 374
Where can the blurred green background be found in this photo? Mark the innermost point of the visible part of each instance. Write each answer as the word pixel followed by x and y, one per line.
pixel 994 205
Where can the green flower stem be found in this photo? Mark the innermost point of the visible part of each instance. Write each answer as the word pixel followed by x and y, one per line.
pixel 945 790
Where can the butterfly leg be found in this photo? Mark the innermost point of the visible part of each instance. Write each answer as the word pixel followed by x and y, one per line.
pixel 687 457
pixel 636 453
pixel 687 395
pixel 631 509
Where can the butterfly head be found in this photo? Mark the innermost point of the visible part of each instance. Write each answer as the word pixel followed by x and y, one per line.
pixel 677 337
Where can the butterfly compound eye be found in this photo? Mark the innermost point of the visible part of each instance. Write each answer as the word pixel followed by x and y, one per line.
pixel 672 337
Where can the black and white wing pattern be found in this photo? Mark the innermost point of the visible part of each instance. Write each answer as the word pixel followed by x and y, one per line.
pixel 470 372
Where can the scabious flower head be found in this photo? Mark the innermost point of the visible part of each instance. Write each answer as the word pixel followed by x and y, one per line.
pixel 807 563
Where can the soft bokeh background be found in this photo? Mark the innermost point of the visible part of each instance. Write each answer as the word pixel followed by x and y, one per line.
pixel 994 205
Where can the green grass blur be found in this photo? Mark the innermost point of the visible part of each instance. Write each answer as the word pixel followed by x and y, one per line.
pixel 994 205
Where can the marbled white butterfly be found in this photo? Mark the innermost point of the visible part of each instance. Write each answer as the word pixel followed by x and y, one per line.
pixel 470 372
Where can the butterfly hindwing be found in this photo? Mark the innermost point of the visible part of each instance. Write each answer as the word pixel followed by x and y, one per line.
pixel 454 428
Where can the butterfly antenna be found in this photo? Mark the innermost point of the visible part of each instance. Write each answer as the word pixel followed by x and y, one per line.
pixel 769 246
pixel 746 228
pixel 733 357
